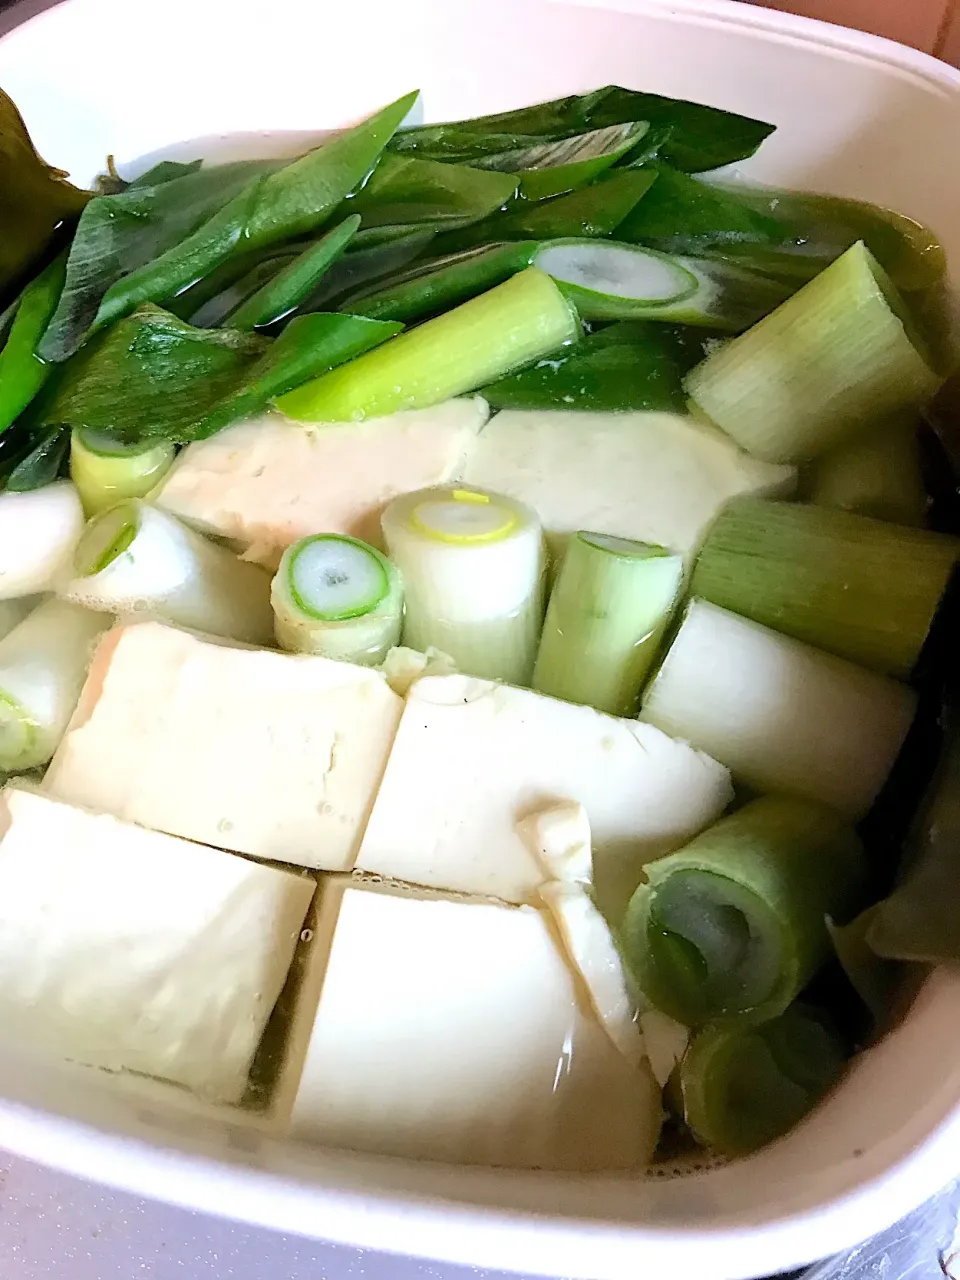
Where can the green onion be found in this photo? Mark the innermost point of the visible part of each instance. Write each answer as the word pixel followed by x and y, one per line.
pixel 860 588
pixel 610 281
pixel 473 565
pixel 338 597
pixel 134 558
pixel 734 923
pixel 404 190
pixel 560 165
pixel 439 283
pixel 877 475
pixel 43 664
pixel 294 282
pixel 608 611
pixel 835 357
pixel 635 364
pixel 22 372
pixel 106 470
pixel 596 210
pixel 508 326
pixel 38 533
pixel 779 714
pixel 743 1088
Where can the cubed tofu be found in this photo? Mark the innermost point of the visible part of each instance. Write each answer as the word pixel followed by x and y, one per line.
pixel 473 757
pixel 450 1030
pixel 269 481
pixel 656 477
pixel 130 950
pixel 271 754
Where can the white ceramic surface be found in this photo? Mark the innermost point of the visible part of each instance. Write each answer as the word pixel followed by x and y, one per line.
pixel 856 116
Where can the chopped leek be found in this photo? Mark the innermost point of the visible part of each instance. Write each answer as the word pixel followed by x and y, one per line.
pixel 13 612
pixel 744 1087
pixel 483 339
pixel 734 923
pixel 38 533
pixel 610 281
pixel 878 474
pixel 134 558
pixel 473 568
pixel 779 714
pixel 554 167
pixel 609 608
pixel 834 358
pixel 43 664
pixel 106 470
pixel 338 597
pixel 282 293
pixel 860 588
pixel 438 283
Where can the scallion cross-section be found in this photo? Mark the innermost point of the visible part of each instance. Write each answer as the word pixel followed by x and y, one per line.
pixel 134 558
pixel 473 567
pixel 106 470
pixel 338 597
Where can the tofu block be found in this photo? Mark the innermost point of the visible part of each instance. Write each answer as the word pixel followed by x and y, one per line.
pixel 656 477
pixel 450 1030
pixel 472 758
pixel 269 481
pixel 271 754
pixel 131 950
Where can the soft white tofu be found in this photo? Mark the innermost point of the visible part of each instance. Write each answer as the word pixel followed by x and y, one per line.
pixel 269 481
pixel 559 838
pixel 656 477
pixel 472 758
pixel 271 754
pixel 450 1030
pixel 131 950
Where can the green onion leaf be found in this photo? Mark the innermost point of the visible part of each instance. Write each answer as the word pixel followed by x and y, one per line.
pixel 553 168
pixel 285 291
pixel 439 283
pixel 408 190
pixel 596 210
pixel 697 137
pixel 22 372
pixel 630 365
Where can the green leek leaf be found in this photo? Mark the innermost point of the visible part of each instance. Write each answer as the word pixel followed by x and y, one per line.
pixel 120 233
pixel 596 210
pixel 700 137
pixel 408 190
pixel 636 364
pixel 553 168
pixel 43 464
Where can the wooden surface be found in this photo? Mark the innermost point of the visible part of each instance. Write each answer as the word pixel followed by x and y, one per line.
pixel 931 25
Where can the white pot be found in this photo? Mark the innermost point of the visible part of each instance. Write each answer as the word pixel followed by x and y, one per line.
pixel 856 116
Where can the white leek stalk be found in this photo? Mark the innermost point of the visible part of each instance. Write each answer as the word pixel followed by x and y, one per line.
pixel 106 471
pixel 607 613
pixel 839 355
pixel 135 558
pixel 473 568
pixel 782 716
pixel 43 664
pixel 338 597
pixel 38 533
